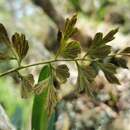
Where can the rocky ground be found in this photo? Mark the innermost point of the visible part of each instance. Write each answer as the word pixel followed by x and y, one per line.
pixel 109 111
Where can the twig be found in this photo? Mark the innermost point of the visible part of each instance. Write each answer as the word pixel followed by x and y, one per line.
pixel 36 64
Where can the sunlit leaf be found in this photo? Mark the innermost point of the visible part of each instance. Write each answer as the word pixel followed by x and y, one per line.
pixel 71 50
pixel 110 36
pixel 69 28
pixel 70 23
pixel 66 46
pixel 62 73
pixel 20 44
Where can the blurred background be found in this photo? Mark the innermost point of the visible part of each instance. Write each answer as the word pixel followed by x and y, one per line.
pixel 39 20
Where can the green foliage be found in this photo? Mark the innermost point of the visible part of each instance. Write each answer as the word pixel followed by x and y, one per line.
pixel 53 75
pixel 46 101
pixel 62 73
pixel 86 75
pixel 39 112
pixel 20 45
pixel 69 28
pixel 119 62
pixel 4 39
pixel 71 50
pixel 4 35
pixel 125 51
pixel 68 48
pixel 110 36
pixel 109 71
pixel 99 49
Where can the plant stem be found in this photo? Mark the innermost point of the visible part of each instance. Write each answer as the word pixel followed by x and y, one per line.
pixel 51 61
pixel 38 63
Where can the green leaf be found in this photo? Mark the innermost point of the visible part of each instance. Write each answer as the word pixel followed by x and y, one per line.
pixel 119 61
pixel 97 39
pixel 39 112
pixel 86 75
pixel 125 51
pixel 99 51
pixel 64 37
pixel 5 44
pixel 62 73
pixel 109 71
pixel 111 78
pixel 69 28
pixel 110 36
pixel 89 73
pixel 4 35
pixel 20 44
pixel 108 67
pixel 98 48
pixel 71 50
pixel 44 103
pixel 27 85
